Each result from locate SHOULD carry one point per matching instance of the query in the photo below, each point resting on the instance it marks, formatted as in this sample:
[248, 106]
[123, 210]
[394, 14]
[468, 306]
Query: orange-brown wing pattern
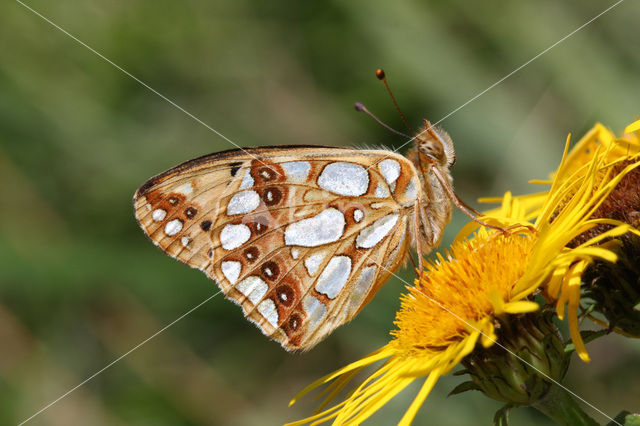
[294, 235]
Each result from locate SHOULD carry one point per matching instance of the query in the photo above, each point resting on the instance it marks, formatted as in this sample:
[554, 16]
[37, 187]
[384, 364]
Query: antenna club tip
[380, 74]
[359, 106]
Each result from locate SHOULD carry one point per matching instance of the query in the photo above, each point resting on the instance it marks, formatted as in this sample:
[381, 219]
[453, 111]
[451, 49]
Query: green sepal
[464, 387]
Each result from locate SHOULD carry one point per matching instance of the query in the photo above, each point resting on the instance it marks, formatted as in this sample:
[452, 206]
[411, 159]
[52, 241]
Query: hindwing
[300, 237]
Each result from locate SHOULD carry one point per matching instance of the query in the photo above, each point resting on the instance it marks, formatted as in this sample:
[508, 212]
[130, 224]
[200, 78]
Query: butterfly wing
[300, 237]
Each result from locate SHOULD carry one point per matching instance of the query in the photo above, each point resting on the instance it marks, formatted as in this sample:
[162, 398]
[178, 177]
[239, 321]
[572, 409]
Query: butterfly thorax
[432, 153]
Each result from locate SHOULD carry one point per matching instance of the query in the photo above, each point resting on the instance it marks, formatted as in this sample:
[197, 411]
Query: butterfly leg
[418, 237]
[472, 213]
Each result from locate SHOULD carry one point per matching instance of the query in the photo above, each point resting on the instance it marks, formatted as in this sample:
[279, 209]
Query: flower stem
[560, 406]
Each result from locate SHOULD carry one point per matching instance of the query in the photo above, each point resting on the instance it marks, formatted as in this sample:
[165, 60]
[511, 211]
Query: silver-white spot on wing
[374, 233]
[173, 227]
[185, 241]
[381, 191]
[247, 180]
[313, 262]
[185, 189]
[295, 253]
[233, 236]
[390, 169]
[231, 270]
[296, 171]
[158, 215]
[358, 215]
[315, 311]
[325, 227]
[344, 179]
[268, 310]
[243, 202]
[254, 288]
[334, 276]
[361, 289]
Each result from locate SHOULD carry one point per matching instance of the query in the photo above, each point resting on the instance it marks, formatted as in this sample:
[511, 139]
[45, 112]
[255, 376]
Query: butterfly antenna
[383, 78]
[360, 107]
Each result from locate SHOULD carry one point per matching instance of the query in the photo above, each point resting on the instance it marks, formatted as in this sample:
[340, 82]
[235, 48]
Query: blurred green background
[80, 284]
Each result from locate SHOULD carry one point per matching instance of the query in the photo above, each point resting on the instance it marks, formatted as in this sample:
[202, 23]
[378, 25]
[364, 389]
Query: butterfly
[301, 237]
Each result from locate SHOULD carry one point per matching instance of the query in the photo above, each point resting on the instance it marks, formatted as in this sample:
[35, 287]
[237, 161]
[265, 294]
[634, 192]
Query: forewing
[295, 235]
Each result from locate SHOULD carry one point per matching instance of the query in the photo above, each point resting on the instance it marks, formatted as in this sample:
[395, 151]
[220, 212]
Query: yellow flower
[613, 288]
[608, 162]
[481, 282]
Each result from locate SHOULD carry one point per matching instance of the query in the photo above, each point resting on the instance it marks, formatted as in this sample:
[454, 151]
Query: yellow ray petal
[633, 127]
[426, 388]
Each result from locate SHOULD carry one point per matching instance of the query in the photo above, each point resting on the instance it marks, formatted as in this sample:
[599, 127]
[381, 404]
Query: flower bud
[517, 370]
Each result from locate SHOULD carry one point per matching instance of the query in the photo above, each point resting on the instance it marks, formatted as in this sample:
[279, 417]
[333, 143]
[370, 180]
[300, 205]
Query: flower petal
[633, 127]
[521, 307]
[410, 414]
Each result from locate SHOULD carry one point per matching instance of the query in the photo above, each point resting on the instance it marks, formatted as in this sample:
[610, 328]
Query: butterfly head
[436, 145]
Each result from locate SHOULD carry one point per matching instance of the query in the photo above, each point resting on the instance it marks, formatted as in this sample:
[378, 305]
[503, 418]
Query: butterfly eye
[433, 148]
